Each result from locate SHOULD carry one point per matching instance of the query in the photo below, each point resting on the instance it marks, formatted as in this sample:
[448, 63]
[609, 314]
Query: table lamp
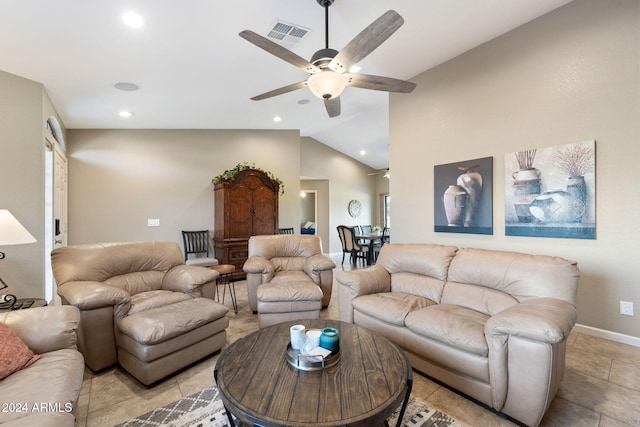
[11, 233]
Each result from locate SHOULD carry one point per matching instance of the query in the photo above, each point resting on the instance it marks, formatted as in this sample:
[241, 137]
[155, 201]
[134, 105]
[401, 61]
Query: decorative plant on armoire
[229, 174]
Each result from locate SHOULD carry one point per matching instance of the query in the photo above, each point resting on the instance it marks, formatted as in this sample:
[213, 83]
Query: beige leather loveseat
[140, 306]
[490, 324]
[45, 392]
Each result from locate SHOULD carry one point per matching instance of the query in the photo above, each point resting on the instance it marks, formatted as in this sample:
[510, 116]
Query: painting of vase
[550, 192]
[463, 197]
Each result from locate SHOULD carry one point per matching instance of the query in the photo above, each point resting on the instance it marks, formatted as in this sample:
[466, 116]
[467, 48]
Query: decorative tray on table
[310, 362]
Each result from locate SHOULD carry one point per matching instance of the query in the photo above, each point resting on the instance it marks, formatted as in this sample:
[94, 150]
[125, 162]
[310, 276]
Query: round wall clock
[355, 208]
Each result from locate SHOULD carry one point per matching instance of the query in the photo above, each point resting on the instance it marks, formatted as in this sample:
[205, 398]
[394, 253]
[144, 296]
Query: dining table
[370, 239]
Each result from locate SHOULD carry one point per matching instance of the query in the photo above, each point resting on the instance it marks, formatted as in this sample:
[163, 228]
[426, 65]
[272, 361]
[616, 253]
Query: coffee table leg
[406, 398]
[231, 423]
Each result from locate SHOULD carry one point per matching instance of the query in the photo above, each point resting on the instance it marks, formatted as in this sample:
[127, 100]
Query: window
[386, 210]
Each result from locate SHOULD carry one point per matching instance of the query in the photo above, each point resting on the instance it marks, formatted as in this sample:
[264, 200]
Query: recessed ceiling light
[125, 114]
[133, 20]
[304, 101]
[362, 152]
[277, 119]
[127, 87]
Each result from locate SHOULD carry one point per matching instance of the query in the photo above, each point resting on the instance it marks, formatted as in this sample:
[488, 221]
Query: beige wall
[569, 76]
[24, 109]
[347, 180]
[382, 188]
[118, 179]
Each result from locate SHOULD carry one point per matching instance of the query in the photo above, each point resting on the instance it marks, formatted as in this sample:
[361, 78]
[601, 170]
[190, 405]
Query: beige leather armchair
[284, 260]
[140, 306]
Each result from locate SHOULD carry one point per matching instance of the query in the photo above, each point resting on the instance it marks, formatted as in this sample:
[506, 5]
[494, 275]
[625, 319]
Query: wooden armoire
[245, 206]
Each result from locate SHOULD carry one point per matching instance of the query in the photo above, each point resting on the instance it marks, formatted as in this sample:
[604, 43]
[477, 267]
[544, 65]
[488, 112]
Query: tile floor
[601, 386]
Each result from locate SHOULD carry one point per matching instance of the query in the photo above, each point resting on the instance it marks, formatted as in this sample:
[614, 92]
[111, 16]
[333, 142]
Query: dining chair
[351, 246]
[196, 248]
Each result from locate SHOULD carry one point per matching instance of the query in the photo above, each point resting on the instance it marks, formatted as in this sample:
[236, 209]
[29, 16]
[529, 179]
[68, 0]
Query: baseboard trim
[611, 336]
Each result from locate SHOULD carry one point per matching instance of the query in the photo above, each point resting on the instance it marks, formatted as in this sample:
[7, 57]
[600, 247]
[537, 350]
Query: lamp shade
[327, 84]
[11, 231]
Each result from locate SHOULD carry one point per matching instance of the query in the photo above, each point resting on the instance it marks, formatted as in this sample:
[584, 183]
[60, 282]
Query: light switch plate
[154, 222]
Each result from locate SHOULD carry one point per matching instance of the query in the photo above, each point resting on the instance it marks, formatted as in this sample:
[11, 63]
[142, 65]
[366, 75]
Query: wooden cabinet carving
[245, 206]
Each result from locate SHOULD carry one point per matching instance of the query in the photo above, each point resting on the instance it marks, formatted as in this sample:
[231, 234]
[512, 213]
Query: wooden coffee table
[259, 386]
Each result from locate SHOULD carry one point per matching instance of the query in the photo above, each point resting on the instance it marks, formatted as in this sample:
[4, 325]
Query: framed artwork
[550, 192]
[463, 197]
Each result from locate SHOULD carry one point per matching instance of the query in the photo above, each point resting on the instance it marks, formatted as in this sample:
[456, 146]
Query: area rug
[205, 409]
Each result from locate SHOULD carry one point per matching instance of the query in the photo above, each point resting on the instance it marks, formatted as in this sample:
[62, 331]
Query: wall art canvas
[550, 192]
[463, 197]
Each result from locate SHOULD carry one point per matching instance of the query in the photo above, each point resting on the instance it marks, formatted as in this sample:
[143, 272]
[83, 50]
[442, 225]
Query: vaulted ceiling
[195, 72]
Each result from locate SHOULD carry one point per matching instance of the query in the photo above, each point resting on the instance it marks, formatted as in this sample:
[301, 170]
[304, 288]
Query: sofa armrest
[259, 270]
[355, 283]
[45, 329]
[88, 295]
[259, 265]
[317, 263]
[188, 279]
[527, 355]
[547, 320]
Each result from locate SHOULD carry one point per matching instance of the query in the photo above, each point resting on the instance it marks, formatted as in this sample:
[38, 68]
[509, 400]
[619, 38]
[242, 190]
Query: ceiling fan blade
[388, 84]
[279, 51]
[367, 41]
[333, 106]
[280, 91]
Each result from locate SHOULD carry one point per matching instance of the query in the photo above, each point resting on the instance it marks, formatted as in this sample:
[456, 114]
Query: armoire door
[239, 207]
[265, 211]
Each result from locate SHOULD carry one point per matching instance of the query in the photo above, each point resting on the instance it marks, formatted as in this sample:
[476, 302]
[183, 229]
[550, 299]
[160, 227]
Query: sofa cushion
[160, 324]
[153, 299]
[55, 379]
[426, 260]
[289, 276]
[417, 284]
[100, 261]
[14, 353]
[391, 307]
[521, 275]
[287, 263]
[278, 245]
[479, 298]
[454, 325]
[290, 291]
[137, 281]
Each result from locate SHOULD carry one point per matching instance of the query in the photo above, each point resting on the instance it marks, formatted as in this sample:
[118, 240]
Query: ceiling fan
[329, 69]
[386, 173]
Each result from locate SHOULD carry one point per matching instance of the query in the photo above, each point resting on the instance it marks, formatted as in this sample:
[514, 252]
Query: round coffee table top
[259, 386]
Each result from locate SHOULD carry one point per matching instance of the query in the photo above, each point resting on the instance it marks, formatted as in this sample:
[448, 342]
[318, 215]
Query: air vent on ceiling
[286, 34]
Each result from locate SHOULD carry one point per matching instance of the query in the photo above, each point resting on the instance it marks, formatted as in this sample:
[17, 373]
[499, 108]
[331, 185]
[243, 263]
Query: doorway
[309, 211]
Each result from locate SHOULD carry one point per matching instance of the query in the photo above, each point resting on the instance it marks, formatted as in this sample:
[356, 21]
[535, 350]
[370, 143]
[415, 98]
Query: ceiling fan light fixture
[327, 84]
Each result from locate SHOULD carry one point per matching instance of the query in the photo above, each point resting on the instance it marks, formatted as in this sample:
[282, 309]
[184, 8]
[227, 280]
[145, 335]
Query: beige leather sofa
[45, 393]
[490, 324]
[140, 306]
[284, 258]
